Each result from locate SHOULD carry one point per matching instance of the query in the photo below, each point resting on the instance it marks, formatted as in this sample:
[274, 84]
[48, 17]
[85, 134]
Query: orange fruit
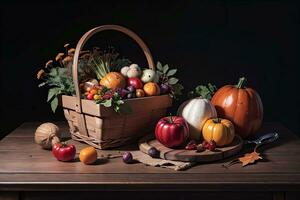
[88, 155]
[93, 91]
[151, 89]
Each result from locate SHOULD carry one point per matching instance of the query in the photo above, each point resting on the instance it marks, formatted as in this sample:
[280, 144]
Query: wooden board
[191, 155]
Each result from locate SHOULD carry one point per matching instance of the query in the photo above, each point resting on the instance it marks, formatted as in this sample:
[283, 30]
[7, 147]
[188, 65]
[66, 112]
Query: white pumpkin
[196, 111]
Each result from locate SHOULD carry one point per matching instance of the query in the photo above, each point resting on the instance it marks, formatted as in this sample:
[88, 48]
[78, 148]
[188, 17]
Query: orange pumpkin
[151, 89]
[113, 80]
[242, 106]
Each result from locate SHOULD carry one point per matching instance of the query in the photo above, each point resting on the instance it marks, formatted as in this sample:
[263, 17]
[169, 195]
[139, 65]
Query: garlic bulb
[46, 135]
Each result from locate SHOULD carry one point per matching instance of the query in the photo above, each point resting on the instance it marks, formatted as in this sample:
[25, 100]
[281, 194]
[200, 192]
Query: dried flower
[71, 51]
[66, 45]
[40, 73]
[50, 62]
[59, 56]
[67, 59]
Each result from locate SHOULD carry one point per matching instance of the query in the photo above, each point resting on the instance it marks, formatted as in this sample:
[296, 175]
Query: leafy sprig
[112, 98]
[166, 76]
[60, 82]
[206, 92]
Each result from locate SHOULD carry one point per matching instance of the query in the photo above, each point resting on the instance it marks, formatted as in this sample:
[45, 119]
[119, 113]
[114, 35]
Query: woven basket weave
[101, 127]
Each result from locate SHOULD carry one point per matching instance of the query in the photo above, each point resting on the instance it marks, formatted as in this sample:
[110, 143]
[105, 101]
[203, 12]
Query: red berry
[192, 145]
[212, 145]
[205, 144]
[90, 96]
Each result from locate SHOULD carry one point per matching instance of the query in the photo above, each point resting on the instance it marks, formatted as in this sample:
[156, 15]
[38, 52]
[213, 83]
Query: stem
[63, 144]
[171, 119]
[217, 120]
[241, 82]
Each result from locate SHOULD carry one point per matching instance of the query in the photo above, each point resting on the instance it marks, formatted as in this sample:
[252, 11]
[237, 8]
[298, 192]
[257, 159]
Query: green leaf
[107, 103]
[171, 72]
[53, 71]
[212, 88]
[177, 89]
[204, 91]
[119, 102]
[62, 71]
[165, 68]
[54, 104]
[117, 108]
[173, 81]
[159, 66]
[52, 93]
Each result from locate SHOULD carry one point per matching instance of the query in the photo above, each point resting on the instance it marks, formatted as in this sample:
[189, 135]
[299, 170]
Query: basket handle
[89, 34]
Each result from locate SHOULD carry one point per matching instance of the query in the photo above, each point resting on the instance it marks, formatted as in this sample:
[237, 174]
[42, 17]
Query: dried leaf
[250, 158]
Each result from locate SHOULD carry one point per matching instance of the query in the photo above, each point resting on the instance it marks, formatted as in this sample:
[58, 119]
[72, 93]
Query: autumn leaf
[249, 158]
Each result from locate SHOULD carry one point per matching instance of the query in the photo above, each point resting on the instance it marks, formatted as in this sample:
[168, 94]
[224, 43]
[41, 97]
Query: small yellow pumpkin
[113, 80]
[219, 130]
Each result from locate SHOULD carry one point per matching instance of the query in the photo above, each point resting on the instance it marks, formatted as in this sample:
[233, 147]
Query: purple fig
[153, 152]
[122, 92]
[164, 88]
[127, 157]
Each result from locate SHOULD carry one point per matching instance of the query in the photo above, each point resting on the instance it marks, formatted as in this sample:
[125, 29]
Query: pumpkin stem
[241, 82]
[171, 119]
[217, 120]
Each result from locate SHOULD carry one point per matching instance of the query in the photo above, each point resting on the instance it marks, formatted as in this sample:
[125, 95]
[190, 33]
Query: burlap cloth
[157, 162]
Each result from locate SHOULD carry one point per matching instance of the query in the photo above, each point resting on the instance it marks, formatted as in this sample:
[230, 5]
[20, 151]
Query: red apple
[135, 82]
[172, 131]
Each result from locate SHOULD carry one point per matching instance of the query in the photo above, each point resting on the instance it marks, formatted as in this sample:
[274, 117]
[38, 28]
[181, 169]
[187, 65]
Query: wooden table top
[25, 166]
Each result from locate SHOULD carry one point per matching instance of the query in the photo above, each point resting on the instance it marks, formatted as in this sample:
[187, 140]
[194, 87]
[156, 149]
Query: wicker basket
[101, 127]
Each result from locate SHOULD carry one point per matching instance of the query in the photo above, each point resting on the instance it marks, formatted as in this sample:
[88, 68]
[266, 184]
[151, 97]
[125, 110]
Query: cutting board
[191, 155]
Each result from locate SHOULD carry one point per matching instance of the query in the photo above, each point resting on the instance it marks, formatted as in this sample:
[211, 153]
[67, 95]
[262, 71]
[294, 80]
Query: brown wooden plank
[147, 195]
[25, 165]
[25, 156]
[137, 105]
[170, 181]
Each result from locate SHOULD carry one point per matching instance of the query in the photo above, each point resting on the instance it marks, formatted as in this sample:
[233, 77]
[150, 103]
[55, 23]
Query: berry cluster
[192, 145]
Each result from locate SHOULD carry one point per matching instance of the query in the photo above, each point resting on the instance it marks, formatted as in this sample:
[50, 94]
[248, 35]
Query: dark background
[214, 41]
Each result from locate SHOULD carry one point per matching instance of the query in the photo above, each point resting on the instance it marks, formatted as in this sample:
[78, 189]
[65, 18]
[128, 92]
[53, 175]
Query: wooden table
[28, 172]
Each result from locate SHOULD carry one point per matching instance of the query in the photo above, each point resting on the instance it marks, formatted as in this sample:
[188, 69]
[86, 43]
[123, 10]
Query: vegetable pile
[106, 79]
